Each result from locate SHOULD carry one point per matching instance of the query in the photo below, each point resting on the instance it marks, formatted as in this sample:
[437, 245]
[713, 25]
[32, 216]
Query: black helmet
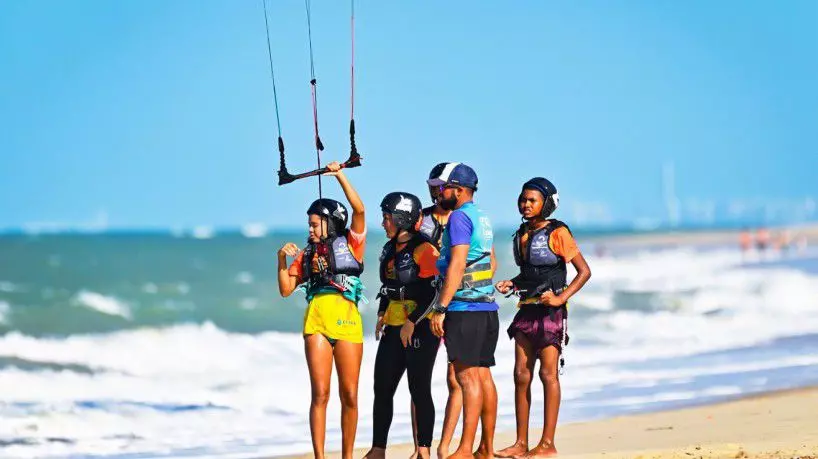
[333, 211]
[437, 170]
[405, 209]
[549, 193]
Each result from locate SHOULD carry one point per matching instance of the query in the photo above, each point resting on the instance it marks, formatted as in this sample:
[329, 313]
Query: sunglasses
[440, 188]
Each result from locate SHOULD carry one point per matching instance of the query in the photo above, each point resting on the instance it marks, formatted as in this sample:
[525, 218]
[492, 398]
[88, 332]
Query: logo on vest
[405, 260]
[539, 242]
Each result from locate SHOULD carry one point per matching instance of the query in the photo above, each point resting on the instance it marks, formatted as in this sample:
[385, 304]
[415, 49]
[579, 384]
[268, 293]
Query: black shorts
[471, 337]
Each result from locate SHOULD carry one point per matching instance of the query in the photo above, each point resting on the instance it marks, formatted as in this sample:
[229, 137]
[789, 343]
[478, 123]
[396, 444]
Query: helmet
[434, 174]
[333, 211]
[437, 170]
[405, 209]
[549, 193]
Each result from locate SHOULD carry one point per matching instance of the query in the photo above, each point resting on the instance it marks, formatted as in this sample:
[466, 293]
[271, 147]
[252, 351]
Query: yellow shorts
[335, 317]
[398, 311]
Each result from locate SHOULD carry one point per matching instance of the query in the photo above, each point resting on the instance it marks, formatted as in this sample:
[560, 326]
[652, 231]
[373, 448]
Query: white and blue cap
[455, 174]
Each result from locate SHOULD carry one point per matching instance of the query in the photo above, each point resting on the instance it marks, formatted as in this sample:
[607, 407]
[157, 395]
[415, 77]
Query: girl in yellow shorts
[330, 268]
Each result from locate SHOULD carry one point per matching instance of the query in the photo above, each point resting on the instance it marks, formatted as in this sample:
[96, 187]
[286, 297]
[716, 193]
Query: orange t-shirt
[425, 256]
[561, 242]
[356, 242]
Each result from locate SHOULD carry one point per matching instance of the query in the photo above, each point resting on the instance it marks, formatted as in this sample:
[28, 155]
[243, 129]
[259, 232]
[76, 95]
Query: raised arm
[358, 220]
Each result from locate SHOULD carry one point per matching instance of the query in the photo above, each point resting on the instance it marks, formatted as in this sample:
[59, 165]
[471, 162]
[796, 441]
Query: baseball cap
[455, 174]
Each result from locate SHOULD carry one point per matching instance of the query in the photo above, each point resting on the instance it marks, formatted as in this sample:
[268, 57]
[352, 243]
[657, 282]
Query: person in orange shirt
[745, 240]
[329, 268]
[542, 249]
[407, 270]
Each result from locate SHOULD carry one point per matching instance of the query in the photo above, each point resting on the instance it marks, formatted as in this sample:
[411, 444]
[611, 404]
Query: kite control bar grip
[285, 177]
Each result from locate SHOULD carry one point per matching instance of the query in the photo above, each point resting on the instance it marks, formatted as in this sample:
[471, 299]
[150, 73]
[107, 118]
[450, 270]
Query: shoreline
[765, 425]
[699, 237]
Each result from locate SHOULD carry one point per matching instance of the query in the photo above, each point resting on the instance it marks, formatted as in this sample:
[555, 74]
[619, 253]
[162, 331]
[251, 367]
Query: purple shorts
[541, 325]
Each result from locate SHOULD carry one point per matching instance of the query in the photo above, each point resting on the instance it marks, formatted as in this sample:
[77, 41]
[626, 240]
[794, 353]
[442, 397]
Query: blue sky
[159, 112]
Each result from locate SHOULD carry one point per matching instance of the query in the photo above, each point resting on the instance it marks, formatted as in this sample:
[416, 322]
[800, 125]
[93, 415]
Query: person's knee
[421, 395]
[381, 386]
[320, 396]
[549, 376]
[522, 376]
[467, 377]
[349, 397]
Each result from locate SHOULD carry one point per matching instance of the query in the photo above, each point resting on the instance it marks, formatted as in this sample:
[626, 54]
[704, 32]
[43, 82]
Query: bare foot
[479, 454]
[459, 455]
[375, 453]
[442, 451]
[517, 449]
[540, 451]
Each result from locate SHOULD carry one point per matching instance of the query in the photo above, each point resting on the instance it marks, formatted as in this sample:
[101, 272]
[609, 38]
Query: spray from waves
[104, 304]
[4, 311]
[199, 388]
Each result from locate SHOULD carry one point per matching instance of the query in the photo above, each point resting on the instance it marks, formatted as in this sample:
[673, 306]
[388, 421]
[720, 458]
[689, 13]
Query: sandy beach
[775, 425]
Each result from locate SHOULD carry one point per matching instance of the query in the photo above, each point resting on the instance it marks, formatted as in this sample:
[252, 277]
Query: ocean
[155, 345]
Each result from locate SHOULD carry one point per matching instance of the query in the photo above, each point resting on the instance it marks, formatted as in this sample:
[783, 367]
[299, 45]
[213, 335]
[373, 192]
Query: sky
[159, 113]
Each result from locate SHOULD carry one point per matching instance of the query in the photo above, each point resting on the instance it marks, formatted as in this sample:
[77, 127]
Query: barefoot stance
[517, 449]
[542, 450]
[375, 453]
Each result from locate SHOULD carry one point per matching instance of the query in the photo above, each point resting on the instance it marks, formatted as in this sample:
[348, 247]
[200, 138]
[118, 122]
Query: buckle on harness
[389, 292]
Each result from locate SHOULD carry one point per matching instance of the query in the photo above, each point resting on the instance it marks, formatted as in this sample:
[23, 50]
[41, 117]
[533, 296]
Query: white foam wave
[104, 304]
[254, 230]
[203, 232]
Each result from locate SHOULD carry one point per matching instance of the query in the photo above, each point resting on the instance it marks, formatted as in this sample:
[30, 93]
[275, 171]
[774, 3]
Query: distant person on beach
[407, 344]
[762, 240]
[784, 241]
[542, 249]
[330, 268]
[466, 313]
[745, 241]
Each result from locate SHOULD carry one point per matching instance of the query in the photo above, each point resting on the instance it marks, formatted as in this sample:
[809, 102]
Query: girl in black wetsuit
[406, 341]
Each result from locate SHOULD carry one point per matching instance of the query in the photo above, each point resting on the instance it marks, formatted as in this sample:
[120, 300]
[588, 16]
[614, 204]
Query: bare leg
[453, 406]
[488, 415]
[468, 378]
[348, 365]
[524, 360]
[319, 363]
[549, 374]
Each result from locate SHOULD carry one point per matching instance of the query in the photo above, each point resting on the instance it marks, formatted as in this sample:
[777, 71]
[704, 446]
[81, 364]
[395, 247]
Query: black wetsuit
[417, 359]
